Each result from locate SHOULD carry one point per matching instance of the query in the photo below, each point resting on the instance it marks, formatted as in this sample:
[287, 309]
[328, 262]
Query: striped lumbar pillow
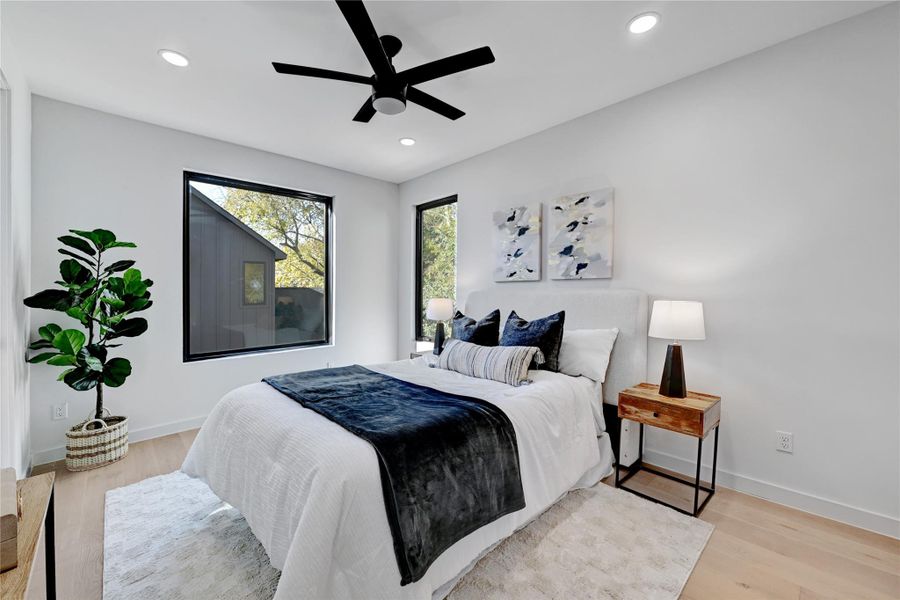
[506, 364]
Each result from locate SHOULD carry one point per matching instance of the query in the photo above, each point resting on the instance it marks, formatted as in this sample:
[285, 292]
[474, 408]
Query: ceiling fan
[390, 89]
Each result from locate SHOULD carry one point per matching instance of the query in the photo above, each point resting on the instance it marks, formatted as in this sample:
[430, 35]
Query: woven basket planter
[94, 443]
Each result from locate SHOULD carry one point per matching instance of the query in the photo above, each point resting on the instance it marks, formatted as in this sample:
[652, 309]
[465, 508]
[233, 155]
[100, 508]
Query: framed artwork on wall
[581, 236]
[517, 243]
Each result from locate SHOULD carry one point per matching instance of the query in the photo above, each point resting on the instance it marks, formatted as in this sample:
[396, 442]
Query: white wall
[767, 188]
[93, 169]
[15, 269]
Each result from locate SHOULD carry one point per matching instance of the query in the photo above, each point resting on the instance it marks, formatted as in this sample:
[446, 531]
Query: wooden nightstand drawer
[695, 415]
[666, 418]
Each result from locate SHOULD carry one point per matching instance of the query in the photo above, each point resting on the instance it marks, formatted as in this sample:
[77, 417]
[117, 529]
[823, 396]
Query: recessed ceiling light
[174, 58]
[643, 23]
[407, 141]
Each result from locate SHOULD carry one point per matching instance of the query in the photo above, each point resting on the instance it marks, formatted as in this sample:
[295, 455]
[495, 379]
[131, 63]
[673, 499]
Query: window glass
[254, 283]
[436, 259]
[256, 267]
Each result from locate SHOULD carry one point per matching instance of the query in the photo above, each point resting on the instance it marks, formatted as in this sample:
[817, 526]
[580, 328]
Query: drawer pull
[655, 415]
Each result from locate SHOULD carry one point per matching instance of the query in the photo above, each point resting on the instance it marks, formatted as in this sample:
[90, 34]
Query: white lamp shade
[677, 320]
[439, 309]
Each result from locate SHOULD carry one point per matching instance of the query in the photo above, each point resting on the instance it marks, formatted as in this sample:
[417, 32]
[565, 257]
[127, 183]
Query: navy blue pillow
[546, 334]
[485, 332]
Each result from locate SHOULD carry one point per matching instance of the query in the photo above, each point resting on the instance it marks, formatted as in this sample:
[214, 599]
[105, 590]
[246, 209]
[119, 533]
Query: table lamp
[676, 320]
[439, 309]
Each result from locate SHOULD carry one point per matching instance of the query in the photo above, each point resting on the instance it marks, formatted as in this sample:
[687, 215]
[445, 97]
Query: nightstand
[695, 415]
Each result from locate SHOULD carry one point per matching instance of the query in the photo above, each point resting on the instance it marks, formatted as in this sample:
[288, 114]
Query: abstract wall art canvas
[517, 243]
[581, 230]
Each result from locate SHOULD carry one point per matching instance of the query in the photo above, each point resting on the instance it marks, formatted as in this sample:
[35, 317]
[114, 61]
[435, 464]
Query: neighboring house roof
[279, 253]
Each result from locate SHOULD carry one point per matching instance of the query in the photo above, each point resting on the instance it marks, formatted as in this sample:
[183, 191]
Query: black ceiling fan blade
[448, 66]
[355, 13]
[365, 113]
[431, 103]
[321, 73]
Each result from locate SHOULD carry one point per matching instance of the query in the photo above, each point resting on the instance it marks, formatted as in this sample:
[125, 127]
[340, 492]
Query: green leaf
[107, 238]
[83, 287]
[116, 285]
[93, 363]
[131, 275]
[112, 320]
[122, 245]
[51, 300]
[85, 261]
[76, 313]
[81, 379]
[102, 238]
[133, 283]
[39, 345]
[116, 371]
[113, 302]
[137, 290]
[129, 328]
[63, 360]
[72, 271]
[96, 350]
[119, 265]
[69, 341]
[49, 331]
[77, 243]
[42, 357]
[88, 235]
[63, 374]
[140, 304]
[148, 282]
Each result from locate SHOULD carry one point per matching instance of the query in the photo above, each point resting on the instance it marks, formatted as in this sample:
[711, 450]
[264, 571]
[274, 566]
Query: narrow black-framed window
[435, 259]
[257, 267]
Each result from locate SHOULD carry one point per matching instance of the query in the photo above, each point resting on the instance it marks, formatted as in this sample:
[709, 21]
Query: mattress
[311, 491]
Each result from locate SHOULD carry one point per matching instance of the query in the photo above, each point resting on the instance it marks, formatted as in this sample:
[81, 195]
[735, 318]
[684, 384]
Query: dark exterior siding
[219, 318]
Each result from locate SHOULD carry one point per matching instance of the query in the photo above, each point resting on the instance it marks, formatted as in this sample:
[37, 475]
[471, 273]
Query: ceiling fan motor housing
[389, 98]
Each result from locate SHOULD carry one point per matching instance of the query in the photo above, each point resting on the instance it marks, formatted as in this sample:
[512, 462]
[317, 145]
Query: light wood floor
[758, 550]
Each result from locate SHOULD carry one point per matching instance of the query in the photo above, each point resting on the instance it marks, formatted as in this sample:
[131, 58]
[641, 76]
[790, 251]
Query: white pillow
[586, 352]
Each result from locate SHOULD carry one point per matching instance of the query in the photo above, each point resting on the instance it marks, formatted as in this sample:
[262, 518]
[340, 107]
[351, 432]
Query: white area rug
[170, 537]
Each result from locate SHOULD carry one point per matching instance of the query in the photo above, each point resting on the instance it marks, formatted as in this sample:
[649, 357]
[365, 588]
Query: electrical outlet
[784, 441]
[60, 411]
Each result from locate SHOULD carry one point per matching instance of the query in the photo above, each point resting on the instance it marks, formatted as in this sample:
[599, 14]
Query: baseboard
[136, 435]
[858, 517]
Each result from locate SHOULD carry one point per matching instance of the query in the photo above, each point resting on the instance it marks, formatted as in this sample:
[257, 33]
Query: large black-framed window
[435, 259]
[257, 267]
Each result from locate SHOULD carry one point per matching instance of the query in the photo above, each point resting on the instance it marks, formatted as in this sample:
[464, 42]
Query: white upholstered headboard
[585, 309]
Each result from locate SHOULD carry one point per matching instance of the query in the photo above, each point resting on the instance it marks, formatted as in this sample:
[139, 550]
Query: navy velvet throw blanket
[449, 464]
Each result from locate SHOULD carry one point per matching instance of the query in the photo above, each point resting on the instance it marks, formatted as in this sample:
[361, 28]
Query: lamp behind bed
[440, 310]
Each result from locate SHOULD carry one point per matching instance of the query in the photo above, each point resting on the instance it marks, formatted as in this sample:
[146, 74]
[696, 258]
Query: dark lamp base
[672, 383]
[438, 338]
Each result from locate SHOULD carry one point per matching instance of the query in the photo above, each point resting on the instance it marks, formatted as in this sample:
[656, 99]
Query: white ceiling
[555, 61]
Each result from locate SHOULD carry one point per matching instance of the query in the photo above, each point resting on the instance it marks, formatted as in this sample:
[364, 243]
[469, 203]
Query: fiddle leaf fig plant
[103, 298]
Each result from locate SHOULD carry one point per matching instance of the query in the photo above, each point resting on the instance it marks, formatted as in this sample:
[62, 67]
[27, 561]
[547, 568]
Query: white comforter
[311, 491]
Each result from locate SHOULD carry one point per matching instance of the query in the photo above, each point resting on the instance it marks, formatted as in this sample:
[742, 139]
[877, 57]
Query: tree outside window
[436, 256]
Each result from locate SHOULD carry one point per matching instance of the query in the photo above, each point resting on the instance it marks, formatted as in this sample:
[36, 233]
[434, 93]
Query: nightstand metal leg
[697, 480]
[637, 465]
[715, 456]
[641, 445]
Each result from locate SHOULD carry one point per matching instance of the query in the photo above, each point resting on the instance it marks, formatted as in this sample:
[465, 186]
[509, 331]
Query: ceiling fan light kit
[391, 90]
[389, 98]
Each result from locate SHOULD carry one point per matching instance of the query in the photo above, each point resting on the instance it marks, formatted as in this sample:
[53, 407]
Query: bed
[311, 491]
